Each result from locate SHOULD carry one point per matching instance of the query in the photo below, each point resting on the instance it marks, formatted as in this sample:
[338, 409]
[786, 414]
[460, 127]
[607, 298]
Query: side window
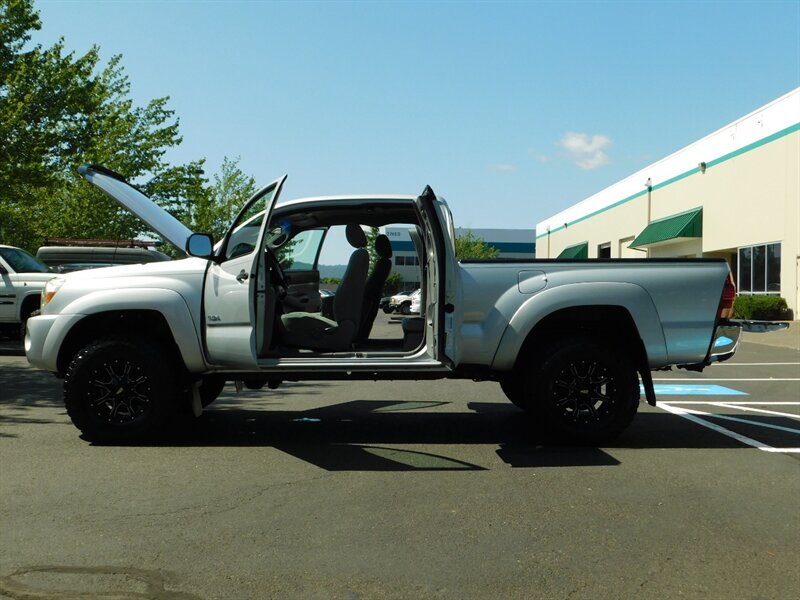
[301, 252]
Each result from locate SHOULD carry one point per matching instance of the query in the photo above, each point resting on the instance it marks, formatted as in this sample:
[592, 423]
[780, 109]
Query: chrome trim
[725, 342]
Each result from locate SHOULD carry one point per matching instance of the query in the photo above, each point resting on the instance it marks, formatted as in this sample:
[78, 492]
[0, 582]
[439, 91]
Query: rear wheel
[585, 390]
[119, 390]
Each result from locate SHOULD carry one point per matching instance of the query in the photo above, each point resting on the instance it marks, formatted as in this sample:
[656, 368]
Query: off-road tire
[586, 390]
[120, 390]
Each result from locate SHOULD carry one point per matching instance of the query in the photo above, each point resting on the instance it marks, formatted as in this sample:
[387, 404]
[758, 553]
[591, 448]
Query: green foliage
[330, 280]
[762, 308]
[372, 235]
[393, 283]
[59, 110]
[469, 247]
[218, 206]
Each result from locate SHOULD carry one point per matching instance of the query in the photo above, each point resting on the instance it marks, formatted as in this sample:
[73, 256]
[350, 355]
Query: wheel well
[29, 304]
[603, 322]
[131, 323]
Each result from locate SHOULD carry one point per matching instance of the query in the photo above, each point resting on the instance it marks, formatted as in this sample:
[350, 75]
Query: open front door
[442, 275]
[238, 302]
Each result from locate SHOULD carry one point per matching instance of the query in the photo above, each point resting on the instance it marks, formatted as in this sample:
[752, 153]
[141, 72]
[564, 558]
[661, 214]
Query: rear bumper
[725, 342]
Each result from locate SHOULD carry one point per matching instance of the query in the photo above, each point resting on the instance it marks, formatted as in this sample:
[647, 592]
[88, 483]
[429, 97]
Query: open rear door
[238, 302]
[442, 275]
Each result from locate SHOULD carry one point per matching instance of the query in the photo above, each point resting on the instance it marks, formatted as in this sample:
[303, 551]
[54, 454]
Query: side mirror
[200, 245]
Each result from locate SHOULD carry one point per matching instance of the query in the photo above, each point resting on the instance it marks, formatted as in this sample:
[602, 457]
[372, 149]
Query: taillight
[728, 298]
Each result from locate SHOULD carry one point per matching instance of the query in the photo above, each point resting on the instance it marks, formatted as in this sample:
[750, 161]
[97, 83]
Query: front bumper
[43, 338]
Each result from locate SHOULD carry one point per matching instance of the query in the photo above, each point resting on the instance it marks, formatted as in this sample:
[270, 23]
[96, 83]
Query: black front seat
[374, 287]
[315, 332]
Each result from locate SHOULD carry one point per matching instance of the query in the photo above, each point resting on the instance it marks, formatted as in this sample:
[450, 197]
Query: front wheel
[585, 390]
[119, 390]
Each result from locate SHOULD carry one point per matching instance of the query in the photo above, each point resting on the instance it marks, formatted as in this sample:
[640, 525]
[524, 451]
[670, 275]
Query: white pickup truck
[22, 278]
[568, 341]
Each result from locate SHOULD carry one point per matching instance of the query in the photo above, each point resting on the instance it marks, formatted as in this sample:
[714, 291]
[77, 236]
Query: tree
[469, 247]
[216, 209]
[59, 110]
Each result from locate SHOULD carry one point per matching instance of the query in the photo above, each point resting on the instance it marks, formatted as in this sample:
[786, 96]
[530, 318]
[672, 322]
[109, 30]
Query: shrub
[760, 308]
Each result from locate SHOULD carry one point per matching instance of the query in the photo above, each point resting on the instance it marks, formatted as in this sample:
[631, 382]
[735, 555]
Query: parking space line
[739, 420]
[727, 379]
[736, 402]
[681, 412]
[757, 410]
[735, 364]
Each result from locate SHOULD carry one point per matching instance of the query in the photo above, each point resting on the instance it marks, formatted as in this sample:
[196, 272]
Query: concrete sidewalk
[786, 338]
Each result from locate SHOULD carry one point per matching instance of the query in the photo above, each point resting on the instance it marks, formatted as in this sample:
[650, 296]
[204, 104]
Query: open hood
[127, 196]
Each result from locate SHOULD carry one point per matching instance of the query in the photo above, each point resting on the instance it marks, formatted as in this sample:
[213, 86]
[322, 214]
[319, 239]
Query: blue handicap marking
[691, 389]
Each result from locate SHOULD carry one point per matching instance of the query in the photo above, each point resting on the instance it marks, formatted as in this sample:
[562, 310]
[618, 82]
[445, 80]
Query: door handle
[242, 276]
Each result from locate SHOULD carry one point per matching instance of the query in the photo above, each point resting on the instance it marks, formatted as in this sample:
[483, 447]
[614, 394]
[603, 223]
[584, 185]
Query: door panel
[237, 300]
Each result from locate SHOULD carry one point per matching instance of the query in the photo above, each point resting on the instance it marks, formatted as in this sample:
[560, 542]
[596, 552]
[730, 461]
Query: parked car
[401, 302]
[22, 278]
[87, 254]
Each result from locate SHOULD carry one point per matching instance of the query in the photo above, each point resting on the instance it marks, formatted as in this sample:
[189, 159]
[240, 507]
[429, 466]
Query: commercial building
[734, 194]
[511, 243]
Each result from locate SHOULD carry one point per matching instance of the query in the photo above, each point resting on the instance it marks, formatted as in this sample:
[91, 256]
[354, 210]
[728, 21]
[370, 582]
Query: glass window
[22, 262]
[300, 253]
[760, 269]
[773, 268]
[745, 266]
[400, 260]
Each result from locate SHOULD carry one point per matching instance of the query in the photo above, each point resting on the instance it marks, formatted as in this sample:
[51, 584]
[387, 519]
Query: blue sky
[512, 111]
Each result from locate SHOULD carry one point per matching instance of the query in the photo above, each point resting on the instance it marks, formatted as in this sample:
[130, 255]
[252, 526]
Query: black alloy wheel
[587, 390]
[118, 390]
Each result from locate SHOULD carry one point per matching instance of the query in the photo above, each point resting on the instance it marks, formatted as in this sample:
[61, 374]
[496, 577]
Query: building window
[759, 270]
[604, 250]
[400, 260]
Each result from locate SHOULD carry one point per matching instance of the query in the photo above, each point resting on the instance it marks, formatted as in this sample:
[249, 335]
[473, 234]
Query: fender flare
[628, 296]
[169, 303]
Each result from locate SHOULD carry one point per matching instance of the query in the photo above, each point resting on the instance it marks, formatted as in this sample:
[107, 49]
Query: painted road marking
[757, 410]
[735, 364]
[740, 420]
[694, 417]
[693, 390]
[727, 379]
[732, 402]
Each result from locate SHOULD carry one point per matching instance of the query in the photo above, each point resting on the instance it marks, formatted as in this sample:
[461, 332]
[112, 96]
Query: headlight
[50, 289]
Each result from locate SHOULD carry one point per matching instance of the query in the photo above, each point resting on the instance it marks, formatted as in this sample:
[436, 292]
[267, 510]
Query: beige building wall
[749, 196]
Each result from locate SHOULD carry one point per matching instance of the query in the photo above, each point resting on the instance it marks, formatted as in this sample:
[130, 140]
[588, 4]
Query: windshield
[22, 262]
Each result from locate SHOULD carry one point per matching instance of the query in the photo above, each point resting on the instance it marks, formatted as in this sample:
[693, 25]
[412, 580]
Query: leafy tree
[393, 283]
[216, 209]
[59, 110]
[469, 247]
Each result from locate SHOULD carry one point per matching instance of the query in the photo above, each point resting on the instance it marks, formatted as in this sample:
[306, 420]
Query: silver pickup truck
[568, 341]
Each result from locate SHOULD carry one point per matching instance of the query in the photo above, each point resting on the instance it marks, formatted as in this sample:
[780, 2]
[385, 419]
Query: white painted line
[700, 380]
[730, 364]
[726, 432]
[745, 421]
[743, 402]
[757, 410]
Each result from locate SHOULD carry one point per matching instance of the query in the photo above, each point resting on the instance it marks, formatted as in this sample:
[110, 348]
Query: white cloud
[586, 150]
[502, 168]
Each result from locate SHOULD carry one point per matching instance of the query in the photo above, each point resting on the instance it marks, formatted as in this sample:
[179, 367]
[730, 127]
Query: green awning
[681, 226]
[577, 251]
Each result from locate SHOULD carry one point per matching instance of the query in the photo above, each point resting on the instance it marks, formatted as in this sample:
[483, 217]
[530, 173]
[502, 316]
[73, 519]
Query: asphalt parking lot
[364, 490]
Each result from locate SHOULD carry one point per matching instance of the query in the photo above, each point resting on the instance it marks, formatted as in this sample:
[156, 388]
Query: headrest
[355, 236]
[383, 246]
